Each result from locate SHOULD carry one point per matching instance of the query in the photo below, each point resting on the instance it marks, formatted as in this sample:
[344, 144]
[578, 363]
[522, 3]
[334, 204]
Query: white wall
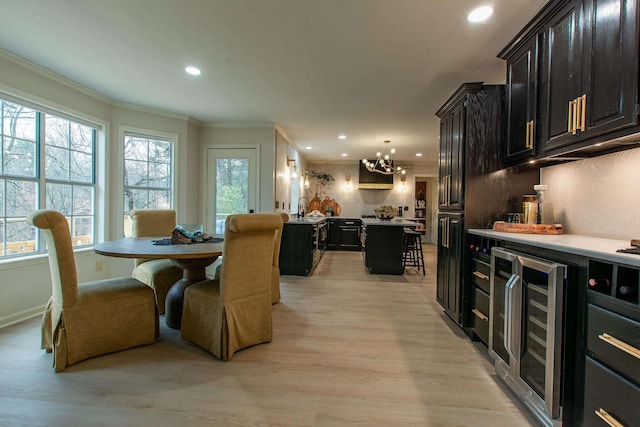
[597, 197]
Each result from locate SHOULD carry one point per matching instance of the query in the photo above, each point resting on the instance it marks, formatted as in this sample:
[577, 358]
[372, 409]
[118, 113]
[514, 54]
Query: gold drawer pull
[571, 116]
[583, 111]
[479, 314]
[530, 135]
[620, 345]
[480, 275]
[604, 416]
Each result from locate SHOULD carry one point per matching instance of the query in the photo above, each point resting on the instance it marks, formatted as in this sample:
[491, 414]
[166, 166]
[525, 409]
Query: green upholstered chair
[159, 274]
[233, 312]
[94, 318]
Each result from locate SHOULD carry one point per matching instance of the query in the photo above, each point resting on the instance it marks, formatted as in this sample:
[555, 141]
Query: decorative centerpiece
[385, 212]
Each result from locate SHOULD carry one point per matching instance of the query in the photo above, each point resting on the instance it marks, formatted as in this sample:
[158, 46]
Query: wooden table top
[144, 248]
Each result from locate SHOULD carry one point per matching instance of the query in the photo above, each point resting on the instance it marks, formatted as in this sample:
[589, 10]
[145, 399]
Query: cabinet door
[333, 237]
[456, 180]
[522, 75]
[444, 161]
[610, 70]
[561, 76]
[455, 268]
[449, 284]
[442, 264]
[349, 235]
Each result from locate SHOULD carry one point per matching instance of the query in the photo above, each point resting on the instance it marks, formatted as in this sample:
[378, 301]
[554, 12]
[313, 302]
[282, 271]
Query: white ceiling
[371, 69]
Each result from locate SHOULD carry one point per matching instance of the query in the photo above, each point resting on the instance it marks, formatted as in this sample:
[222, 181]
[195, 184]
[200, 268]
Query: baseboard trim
[20, 316]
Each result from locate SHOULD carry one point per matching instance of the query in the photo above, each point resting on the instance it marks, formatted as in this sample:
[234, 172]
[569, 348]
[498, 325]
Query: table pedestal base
[193, 271]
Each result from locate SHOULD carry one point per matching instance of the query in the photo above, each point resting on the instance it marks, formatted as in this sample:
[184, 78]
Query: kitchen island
[304, 241]
[383, 244]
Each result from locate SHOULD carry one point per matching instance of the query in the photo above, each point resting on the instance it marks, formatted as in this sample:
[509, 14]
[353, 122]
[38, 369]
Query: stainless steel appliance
[525, 335]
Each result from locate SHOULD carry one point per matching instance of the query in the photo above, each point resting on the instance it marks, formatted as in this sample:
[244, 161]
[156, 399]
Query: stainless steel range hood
[373, 181]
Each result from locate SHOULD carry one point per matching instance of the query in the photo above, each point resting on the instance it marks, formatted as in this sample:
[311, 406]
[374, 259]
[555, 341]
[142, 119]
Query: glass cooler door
[541, 333]
[502, 273]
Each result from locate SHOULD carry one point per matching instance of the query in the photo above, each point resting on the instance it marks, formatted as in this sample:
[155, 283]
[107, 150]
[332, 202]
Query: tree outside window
[66, 181]
[148, 174]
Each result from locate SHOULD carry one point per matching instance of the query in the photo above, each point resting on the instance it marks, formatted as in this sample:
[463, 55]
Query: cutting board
[528, 228]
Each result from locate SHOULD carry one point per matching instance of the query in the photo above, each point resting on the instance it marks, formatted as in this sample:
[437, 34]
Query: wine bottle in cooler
[599, 284]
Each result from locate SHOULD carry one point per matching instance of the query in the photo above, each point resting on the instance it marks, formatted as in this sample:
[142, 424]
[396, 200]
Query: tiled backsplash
[597, 197]
[356, 202]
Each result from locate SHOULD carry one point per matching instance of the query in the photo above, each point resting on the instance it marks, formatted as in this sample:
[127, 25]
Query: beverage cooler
[525, 335]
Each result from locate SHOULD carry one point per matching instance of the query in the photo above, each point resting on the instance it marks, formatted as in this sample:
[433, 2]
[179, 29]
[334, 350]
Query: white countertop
[398, 222]
[593, 247]
[307, 220]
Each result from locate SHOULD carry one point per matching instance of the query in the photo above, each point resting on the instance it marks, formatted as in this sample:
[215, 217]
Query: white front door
[232, 185]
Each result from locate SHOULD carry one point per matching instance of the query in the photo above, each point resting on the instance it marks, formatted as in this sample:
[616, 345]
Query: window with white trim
[47, 161]
[148, 174]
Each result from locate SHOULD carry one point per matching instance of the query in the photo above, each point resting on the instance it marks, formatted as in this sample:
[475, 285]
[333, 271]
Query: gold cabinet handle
[479, 314]
[571, 117]
[621, 345]
[583, 111]
[530, 136]
[480, 275]
[607, 418]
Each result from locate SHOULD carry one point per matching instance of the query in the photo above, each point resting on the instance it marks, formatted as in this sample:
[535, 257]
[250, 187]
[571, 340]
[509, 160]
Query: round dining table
[192, 258]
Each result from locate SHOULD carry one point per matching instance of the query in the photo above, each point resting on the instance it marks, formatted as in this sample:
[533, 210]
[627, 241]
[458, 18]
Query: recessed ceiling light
[344, 154]
[342, 136]
[194, 71]
[418, 154]
[308, 147]
[480, 14]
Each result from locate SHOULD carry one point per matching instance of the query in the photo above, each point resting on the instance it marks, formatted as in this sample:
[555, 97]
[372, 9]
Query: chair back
[62, 263]
[249, 243]
[152, 223]
[276, 249]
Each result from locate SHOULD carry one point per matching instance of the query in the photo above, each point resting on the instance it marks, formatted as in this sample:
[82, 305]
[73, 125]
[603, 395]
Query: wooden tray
[528, 228]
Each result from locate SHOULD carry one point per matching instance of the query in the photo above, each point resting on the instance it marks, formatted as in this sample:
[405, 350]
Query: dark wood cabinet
[448, 294]
[612, 373]
[472, 124]
[522, 82]
[609, 398]
[561, 76]
[452, 140]
[383, 249]
[585, 90]
[302, 247]
[344, 234]
[479, 276]
[610, 65]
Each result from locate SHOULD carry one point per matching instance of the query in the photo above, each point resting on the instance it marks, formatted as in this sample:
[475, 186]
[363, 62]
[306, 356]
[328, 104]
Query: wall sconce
[403, 182]
[294, 173]
[347, 182]
[306, 180]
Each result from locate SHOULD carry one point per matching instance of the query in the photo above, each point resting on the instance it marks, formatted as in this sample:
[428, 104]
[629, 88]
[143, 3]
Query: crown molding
[150, 110]
[270, 125]
[4, 54]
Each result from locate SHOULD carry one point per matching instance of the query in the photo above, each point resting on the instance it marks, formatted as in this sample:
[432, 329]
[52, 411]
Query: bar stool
[412, 255]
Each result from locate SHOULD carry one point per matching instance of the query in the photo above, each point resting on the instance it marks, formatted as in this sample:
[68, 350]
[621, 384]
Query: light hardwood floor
[348, 349]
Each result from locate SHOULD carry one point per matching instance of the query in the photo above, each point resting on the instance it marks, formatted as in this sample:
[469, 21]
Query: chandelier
[384, 164]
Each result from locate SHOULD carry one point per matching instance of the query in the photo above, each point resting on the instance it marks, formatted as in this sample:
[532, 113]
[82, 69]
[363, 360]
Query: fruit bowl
[385, 212]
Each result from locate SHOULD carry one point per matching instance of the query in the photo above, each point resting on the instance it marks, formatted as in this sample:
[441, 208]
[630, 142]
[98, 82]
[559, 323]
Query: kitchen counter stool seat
[413, 255]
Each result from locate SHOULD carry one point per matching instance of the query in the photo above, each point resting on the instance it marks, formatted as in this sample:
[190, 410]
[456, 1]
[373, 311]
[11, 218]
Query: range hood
[373, 181]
